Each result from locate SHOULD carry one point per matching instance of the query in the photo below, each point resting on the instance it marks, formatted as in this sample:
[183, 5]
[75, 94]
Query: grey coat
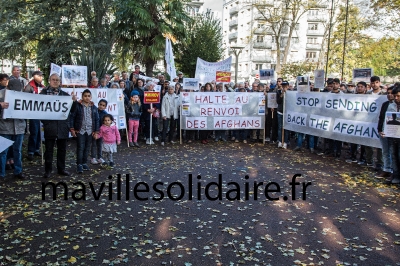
[10, 126]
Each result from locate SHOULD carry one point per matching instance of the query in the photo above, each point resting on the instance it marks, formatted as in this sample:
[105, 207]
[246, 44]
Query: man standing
[34, 86]
[94, 83]
[16, 74]
[137, 71]
[180, 77]
[394, 143]
[12, 129]
[56, 131]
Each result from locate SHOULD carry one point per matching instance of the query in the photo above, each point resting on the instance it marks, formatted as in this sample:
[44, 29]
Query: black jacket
[384, 108]
[57, 129]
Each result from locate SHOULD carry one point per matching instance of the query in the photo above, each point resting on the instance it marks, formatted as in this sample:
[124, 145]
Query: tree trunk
[149, 64]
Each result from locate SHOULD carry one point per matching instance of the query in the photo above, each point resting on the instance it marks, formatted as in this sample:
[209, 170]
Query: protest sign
[151, 97]
[302, 84]
[207, 71]
[55, 69]
[74, 75]
[319, 79]
[392, 125]
[191, 84]
[222, 110]
[271, 102]
[267, 74]
[24, 105]
[223, 76]
[114, 97]
[362, 74]
[346, 117]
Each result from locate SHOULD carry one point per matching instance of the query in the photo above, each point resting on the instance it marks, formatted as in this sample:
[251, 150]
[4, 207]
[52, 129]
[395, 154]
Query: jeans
[272, 125]
[17, 150]
[172, 123]
[300, 137]
[34, 137]
[96, 148]
[83, 144]
[61, 154]
[240, 134]
[133, 129]
[280, 128]
[394, 144]
[386, 156]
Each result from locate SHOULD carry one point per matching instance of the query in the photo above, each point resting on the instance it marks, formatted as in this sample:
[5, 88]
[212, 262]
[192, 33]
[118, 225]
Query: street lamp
[236, 50]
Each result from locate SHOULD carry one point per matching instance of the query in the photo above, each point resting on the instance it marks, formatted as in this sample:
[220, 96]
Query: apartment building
[249, 27]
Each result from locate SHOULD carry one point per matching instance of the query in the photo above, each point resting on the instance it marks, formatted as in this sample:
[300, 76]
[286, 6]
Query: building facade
[247, 24]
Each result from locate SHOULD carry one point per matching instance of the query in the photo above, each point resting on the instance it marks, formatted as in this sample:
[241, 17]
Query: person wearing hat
[180, 77]
[133, 113]
[351, 88]
[34, 86]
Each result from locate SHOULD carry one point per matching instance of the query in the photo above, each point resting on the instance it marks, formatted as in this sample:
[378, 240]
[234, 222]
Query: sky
[215, 5]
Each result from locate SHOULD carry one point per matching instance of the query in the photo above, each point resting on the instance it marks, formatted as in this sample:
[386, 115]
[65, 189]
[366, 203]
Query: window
[295, 40]
[313, 12]
[310, 55]
[313, 26]
[297, 27]
[258, 66]
[312, 40]
[260, 39]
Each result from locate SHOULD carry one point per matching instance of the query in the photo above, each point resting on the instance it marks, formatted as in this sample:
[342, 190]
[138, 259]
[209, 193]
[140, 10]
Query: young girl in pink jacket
[111, 138]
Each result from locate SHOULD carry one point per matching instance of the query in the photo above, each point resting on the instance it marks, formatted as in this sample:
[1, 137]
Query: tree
[204, 40]
[283, 17]
[387, 21]
[292, 70]
[142, 24]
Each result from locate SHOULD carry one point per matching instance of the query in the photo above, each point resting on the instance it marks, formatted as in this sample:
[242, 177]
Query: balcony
[232, 36]
[315, 32]
[273, 46]
[313, 46]
[267, 31]
[262, 58]
[233, 23]
[316, 18]
[233, 10]
[262, 45]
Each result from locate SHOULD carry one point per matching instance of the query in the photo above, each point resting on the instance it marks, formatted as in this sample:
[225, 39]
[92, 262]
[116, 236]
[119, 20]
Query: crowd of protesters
[95, 134]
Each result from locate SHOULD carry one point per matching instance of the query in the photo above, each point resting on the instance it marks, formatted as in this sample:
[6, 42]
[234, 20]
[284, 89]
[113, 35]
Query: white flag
[169, 59]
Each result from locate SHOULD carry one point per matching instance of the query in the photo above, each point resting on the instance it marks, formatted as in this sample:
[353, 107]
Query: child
[111, 138]
[134, 111]
[85, 124]
[97, 143]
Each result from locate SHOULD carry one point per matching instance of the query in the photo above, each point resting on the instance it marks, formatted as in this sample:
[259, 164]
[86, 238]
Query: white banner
[351, 118]
[114, 98]
[222, 110]
[169, 59]
[207, 71]
[24, 105]
[74, 75]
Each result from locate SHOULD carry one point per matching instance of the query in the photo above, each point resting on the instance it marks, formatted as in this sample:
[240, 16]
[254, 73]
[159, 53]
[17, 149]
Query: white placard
[74, 75]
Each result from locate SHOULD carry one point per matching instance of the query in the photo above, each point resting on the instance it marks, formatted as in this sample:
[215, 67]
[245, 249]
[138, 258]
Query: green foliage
[141, 25]
[292, 70]
[101, 63]
[204, 40]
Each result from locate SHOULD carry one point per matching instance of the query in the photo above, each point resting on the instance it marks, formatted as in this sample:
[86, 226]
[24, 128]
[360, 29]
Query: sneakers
[224, 140]
[236, 141]
[297, 148]
[279, 144]
[284, 145]
[204, 142]
[162, 143]
[136, 144]
[233, 138]
[172, 142]
[94, 161]
[131, 144]
[370, 165]
[312, 150]
[384, 175]
[79, 169]
[156, 139]
[267, 139]
[100, 161]
[149, 141]
[244, 141]
[361, 163]
[85, 167]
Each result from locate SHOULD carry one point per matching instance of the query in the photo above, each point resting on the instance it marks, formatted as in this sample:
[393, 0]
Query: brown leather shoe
[384, 174]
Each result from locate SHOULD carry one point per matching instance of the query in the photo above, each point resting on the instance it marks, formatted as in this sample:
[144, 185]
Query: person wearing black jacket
[280, 98]
[387, 160]
[56, 131]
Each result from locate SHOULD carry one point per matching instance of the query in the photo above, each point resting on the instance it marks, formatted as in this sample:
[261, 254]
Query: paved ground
[348, 217]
